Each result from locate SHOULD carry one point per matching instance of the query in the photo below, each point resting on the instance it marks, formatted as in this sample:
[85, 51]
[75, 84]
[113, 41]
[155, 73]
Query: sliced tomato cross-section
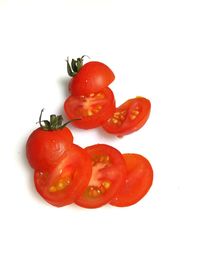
[108, 173]
[128, 117]
[93, 110]
[64, 183]
[137, 183]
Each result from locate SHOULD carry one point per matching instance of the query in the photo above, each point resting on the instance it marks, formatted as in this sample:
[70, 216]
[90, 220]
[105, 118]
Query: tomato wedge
[137, 183]
[64, 183]
[129, 117]
[108, 173]
[93, 110]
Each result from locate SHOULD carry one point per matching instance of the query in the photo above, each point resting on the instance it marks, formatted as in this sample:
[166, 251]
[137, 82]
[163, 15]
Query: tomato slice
[93, 110]
[137, 183]
[64, 183]
[108, 173]
[129, 117]
[91, 78]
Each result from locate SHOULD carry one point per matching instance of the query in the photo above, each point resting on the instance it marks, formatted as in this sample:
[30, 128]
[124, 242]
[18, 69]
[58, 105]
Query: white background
[153, 47]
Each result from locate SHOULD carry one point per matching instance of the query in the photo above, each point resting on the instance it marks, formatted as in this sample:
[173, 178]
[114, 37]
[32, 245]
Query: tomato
[129, 117]
[137, 183]
[65, 182]
[47, 144]
[108, 173]
[93, 110]
[91, 77]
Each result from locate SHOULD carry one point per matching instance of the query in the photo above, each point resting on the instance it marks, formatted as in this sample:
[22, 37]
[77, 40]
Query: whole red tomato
[47, 144]
[88, 78]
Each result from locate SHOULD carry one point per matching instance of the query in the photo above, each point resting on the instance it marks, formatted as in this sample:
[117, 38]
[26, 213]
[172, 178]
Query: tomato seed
[52, 189]
[106, 184]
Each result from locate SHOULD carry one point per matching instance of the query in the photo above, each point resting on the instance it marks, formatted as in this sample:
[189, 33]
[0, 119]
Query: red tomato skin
[93, 77]
[129, 126]
[76, 158]
[138, 182]
[117, 173]
[45, 148]
[72, 102]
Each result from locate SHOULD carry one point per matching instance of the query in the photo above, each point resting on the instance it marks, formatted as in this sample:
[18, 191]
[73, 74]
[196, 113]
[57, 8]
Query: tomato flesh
[128, 117]
[64, 183]
[108, 173]
[44, 149]
[93, 110]
[137, 183]
[93, 77]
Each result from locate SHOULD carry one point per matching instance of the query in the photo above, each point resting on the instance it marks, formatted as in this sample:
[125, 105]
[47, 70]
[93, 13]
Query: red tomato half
[129, 117]
[108, 173]
[67, 181]
[44, 148]
[137, 183]
[93, 110]
[92, 77]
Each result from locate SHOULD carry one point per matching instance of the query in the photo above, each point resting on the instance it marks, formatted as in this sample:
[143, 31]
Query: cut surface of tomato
[128, 117]
[64, 183]
[91, 78]
[93, 110]
[137, 183]
[108, 173]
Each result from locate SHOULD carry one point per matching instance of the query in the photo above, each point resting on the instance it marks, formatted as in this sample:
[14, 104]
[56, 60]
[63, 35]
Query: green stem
[55, 122]
[74, 67]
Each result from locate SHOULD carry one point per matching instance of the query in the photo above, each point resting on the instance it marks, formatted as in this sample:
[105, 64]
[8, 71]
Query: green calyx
[55, 122]
[75, 65]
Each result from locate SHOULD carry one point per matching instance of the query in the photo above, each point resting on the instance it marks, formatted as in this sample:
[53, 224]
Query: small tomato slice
[129, 117]
[64, 183]
[91, 78]
[108, 173]
[137, 183]
[93, 110]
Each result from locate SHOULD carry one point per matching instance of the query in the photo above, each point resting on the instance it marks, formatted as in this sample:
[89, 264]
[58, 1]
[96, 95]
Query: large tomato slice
[137, 183]
[108, 173]
[64, 183]
[128, 117]
[93, 110]
[91, 78]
